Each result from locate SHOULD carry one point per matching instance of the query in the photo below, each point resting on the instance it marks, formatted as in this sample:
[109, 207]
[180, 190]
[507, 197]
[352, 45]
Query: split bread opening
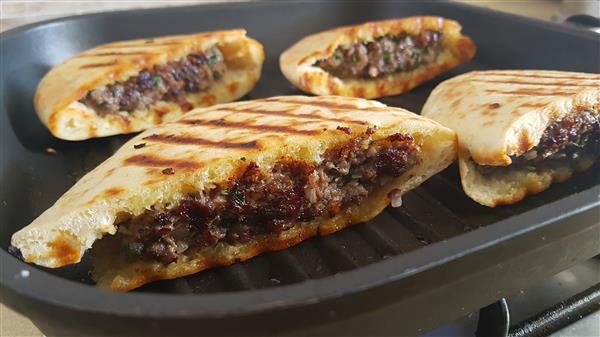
[375, 59]
[519, 130]
[129, 86]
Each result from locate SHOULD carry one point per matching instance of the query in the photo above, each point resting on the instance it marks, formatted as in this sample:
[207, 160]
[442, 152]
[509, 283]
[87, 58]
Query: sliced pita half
[226, 183]
[376, 59]
[128, 86]
[519, 130]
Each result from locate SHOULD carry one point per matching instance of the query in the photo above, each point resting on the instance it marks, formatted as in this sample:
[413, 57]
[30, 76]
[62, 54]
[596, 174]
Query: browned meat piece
[165, 82]
[567, 139]
[270, 202]
[386, 55]
[568, 136]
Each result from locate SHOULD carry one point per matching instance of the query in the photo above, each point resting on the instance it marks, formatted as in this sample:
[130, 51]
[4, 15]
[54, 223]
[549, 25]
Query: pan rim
[74, 295]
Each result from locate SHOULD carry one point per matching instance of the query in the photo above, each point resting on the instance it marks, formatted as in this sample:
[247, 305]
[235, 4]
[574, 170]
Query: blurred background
[18, 13]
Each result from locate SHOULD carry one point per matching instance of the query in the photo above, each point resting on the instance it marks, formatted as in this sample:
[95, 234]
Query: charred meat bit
[393, 161]
[200, 213]
[269, 202]
[164, 82]
[168, 170]
[259, 202]
[15, 252]
[386, 55]
[163, 225]
[568, 136]
[344, 129]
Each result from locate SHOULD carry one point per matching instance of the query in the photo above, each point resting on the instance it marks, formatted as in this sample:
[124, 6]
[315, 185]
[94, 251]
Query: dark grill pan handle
[493, 320]
[561, 315]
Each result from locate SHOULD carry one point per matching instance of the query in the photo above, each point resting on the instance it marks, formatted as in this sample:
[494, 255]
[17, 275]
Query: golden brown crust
[498, 114]
[204, 149]
[297, 62]
[502, 113]
[113, 272]
[122, 277]
[513, 185]
[56, 99]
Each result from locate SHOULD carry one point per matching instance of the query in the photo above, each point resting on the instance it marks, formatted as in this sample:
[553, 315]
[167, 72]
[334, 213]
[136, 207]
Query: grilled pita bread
[57, 100]
[208, 147]
[298, 63]
[501, 115]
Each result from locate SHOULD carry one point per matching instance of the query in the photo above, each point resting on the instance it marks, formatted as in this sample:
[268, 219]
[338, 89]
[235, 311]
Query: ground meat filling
[164, 82]
[259, 203]
[386, 55]
[567, 140]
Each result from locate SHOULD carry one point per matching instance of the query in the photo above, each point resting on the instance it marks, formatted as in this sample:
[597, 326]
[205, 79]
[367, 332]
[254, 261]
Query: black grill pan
[409, 270]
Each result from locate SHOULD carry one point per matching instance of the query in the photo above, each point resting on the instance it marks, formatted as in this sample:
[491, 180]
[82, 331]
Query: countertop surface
[17, 13]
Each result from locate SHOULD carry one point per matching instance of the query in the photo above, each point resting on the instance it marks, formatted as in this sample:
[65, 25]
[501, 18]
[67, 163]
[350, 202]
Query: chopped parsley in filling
[168, 82]
[258, 203]
[386, 55]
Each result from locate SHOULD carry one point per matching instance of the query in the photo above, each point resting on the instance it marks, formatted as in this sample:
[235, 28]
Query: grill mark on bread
[116, 53]
[143, 44]
[549, 76]
[489, 112]
[152, 161]
[307, 116]
[221, 123]
[534, 83]
[107, 194]
[532, 105]
[525, 92]
[257, 202]
[111, 192]
[98, 65]
[109, 172]
[322, 104]
[188, 140]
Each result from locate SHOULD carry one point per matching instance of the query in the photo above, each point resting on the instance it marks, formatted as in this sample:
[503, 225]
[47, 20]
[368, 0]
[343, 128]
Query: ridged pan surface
[32, 180]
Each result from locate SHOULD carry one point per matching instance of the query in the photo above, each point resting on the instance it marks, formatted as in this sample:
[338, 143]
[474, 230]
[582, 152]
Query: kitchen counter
[17, 13]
